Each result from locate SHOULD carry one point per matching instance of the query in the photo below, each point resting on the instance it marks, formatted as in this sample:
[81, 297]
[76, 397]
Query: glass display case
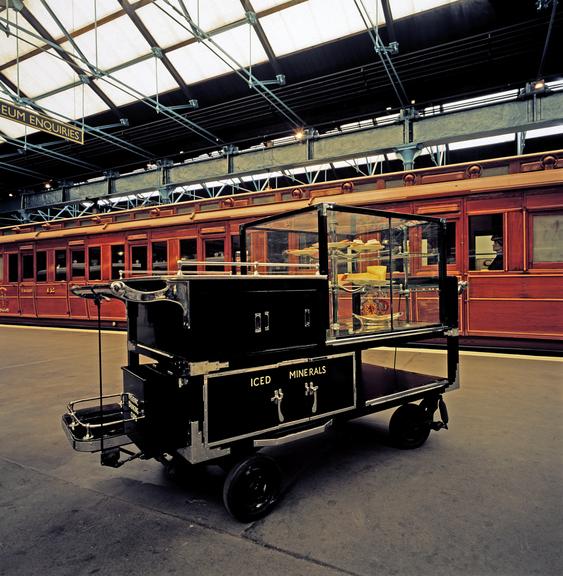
[384, 269]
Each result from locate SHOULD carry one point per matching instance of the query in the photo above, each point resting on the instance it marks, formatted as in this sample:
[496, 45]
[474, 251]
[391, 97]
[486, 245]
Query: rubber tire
[252, 488]
[409, 427]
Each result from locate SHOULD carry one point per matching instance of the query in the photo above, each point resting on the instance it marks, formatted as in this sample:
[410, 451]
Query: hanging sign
[40, 122]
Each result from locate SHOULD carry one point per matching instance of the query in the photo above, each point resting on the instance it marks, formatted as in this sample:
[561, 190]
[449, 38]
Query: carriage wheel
[252, 488]
[409, 426]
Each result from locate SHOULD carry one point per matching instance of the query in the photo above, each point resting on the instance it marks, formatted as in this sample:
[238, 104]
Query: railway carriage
[505, 241]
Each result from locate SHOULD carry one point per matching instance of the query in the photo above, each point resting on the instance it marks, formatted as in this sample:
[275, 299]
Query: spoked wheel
[252, 488]
[409, 426]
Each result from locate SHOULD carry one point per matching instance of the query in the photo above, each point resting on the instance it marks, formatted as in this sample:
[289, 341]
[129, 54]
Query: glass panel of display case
[291, 242]
[377, 264]
[214, 251]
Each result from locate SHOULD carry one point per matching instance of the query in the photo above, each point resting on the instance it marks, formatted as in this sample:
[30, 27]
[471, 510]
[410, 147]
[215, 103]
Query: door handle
[277, 398]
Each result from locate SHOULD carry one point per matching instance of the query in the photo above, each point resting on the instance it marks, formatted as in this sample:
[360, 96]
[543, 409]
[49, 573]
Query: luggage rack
[94, 424]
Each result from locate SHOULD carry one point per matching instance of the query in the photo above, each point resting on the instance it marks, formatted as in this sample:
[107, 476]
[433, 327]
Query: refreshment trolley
[226, 358]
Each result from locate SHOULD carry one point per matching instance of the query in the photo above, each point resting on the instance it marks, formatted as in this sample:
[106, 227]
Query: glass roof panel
[261, 5]
[402, 8]
[164, 29]
[241, 44]
[209, 14]
[75, 102]
[9, 46]
[140, 77]
[196, 62]
[74, 14]
[14, 129]
[313, 23]
[119, 41]
[42, 73]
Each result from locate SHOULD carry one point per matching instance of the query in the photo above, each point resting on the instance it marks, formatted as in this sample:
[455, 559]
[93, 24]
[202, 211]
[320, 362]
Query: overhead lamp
[48, 185]
[534, 88]
[299, 134]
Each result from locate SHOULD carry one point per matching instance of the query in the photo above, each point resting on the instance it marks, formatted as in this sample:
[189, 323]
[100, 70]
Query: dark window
[138, 259]
[41, 262]
[235, 252]
[486, 242]
[27, 266]
[117, 260]
[77, 257]
[188, 251]
[94, 263]
[214, 252]
[159, 256]
[60, 265]
[13, 271]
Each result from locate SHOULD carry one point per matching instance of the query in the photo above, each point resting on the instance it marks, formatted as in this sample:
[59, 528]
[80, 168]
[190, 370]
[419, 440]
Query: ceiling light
[299, 134]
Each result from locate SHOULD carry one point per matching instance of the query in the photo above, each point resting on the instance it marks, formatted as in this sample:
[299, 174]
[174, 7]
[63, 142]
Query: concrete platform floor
[483, 498]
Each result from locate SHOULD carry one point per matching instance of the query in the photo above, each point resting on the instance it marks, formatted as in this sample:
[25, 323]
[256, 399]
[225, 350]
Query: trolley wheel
[409, 426]
[252, 488]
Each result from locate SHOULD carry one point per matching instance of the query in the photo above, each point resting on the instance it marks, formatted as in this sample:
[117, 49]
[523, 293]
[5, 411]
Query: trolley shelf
[92, 427]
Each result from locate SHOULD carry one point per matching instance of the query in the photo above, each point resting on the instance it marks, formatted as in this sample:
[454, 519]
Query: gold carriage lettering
[305, 372]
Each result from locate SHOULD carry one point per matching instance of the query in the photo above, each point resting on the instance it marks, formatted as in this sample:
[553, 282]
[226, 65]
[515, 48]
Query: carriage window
[94, 263]
[77, 258]
[27, 266]
[60, 265]
[138, 259]
[188, 251]
[41, 262]
[117, 260]
[547, 237]
[214, 252]
[430, 245]
[159, 256]
[13, 271]
[486, 242]
[235, 253]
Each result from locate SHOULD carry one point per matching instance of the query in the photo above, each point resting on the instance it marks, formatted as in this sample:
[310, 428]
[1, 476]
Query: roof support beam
[130, 11]
[274, 63]
[389, 22]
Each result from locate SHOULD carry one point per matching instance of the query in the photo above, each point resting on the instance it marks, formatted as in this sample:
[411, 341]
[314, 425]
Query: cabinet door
[278, 319]
[245, 403]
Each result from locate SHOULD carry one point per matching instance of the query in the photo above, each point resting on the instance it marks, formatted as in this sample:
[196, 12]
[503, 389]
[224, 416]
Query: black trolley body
[273, 348]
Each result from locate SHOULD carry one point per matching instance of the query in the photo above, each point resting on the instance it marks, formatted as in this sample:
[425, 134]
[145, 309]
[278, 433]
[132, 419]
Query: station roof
[153, 79]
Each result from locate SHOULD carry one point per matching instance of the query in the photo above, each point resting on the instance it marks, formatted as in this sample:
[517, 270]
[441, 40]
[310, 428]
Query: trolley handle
[123, 291]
